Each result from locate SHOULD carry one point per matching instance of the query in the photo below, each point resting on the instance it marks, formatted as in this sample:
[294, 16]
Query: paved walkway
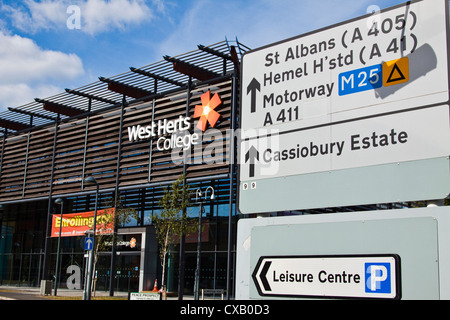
[33, 293]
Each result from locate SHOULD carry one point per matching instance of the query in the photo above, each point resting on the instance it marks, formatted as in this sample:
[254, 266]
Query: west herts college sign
[352, 114]
[371, 276]
[173, 134]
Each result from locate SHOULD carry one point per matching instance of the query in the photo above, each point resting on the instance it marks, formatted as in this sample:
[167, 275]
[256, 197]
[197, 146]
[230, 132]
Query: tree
[172, 222]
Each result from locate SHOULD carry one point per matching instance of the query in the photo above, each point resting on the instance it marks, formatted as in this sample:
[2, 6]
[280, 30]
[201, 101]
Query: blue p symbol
[378, 277]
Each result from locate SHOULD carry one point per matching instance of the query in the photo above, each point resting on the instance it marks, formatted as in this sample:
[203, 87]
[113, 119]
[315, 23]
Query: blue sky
[49, 45]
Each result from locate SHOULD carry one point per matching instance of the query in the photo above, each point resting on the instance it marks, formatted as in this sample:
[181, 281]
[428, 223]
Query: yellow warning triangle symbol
[396, 75]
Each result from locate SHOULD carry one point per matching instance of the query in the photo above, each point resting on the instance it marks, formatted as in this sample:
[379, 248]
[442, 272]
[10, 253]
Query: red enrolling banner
[76, 224]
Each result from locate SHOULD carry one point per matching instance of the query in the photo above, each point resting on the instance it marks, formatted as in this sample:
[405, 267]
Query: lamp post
[198, 194]
[88, 287]
[1, 222]
[60, 202]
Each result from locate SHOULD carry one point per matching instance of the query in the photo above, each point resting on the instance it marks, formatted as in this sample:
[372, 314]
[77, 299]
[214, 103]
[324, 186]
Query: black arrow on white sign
[263, 276]
[260, 278]
[252, 155]
[252, 87]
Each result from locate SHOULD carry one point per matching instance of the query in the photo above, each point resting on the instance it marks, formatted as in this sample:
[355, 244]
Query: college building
[135, 134]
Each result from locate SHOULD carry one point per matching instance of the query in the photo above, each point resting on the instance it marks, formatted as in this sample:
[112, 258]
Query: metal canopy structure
[170, 74]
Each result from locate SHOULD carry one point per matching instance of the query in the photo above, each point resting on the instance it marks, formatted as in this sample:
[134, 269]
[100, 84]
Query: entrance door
[127, 272]
[136, 261]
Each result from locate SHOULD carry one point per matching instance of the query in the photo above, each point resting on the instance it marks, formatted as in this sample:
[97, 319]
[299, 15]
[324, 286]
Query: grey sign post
[88, 247]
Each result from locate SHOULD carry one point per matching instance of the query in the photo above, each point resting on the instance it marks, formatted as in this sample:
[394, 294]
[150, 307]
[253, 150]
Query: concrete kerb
[33, 291]
[61, 292]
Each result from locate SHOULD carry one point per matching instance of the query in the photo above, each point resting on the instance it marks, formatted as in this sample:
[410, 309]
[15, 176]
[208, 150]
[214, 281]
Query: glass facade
[22, 242]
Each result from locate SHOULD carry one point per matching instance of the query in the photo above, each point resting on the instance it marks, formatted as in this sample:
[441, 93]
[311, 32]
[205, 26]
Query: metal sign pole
[88, 246]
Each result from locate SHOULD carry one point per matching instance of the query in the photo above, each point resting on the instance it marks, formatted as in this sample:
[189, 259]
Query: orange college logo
[206, 111]
[132, 243]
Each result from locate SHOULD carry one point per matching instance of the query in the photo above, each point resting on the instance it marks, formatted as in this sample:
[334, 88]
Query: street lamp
[87, 288]
[212, 193]
[60, 202]
[198, 194]
[1, 222]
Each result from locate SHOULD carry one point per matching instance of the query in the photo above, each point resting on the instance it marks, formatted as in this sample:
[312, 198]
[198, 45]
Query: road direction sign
[352, 114]
[88, 243]
[329, 276]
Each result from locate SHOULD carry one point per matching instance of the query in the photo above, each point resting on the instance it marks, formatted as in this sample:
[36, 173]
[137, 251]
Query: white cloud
[21, 59]
[34, 16]
[28, 71]
[96, 16]
[100, 16]
[18, 94]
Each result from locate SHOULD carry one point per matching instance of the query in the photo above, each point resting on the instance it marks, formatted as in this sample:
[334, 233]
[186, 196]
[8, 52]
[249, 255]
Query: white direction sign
[329, 276]
[368, 92]
[374, 141]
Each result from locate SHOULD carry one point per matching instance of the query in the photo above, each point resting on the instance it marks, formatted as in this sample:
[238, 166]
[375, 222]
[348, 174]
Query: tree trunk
[165, 250]
[163, 270]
